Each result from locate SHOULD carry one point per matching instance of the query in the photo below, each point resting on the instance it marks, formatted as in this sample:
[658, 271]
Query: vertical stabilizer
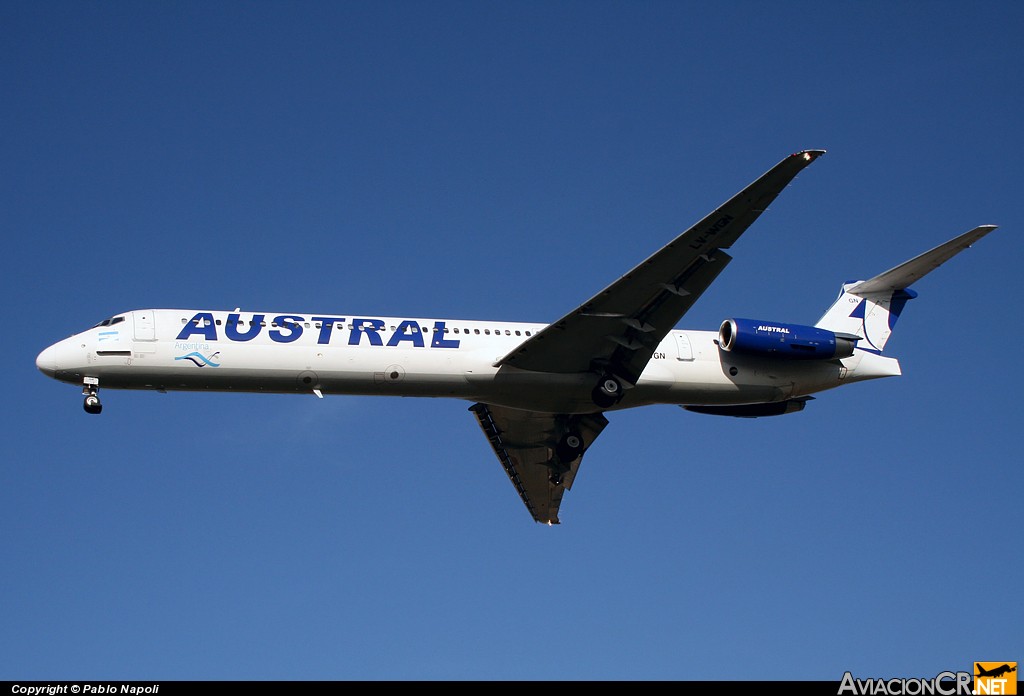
[870, 317]
[869, 308]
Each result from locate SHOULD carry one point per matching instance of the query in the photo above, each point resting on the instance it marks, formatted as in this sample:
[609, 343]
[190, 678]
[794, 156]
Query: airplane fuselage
[269, 352]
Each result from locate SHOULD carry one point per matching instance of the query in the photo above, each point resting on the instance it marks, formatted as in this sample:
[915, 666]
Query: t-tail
[868, 309]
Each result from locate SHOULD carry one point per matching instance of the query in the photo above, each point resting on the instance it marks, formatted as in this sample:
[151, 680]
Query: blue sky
[506, 160]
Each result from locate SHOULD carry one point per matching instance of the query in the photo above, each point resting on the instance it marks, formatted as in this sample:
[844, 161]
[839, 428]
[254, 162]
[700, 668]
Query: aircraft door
[145, 325]
[685, 352]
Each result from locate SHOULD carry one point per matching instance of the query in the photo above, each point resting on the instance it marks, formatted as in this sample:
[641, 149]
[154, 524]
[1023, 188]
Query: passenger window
[476, 331]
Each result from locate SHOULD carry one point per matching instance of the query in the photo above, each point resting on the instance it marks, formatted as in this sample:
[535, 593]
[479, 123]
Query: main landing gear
[568, 449]
[90, 389]
[607, 392]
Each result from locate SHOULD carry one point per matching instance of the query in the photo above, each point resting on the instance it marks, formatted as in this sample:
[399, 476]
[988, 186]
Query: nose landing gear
[90, 390]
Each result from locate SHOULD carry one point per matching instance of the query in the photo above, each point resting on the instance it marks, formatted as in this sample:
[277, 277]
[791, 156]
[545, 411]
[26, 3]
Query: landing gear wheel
[92, 404]
[569, 447]
[610, 386]
[607, 392]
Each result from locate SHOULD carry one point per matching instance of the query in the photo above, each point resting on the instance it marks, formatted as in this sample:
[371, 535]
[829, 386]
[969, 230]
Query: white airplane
[539, 391]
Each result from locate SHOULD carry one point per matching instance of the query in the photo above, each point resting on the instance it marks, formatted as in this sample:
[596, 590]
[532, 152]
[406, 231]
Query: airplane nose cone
[47, 361]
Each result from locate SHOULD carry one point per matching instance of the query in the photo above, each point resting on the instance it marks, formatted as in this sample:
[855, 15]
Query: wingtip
[809, 155]
[980, 231]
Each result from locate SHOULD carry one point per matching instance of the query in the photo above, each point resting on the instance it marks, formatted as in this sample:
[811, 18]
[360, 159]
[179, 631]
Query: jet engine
[788, 341]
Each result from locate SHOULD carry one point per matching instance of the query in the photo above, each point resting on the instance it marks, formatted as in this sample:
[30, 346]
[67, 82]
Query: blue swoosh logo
[200, 360]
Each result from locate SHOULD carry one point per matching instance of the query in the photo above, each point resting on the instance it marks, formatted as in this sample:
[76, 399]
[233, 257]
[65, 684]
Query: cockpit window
[110, 322]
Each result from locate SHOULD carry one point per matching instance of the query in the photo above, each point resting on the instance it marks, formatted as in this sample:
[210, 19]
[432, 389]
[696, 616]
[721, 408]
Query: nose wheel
[91, 391]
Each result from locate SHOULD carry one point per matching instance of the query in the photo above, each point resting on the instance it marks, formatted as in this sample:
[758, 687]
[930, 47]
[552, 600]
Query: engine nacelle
[788, 341]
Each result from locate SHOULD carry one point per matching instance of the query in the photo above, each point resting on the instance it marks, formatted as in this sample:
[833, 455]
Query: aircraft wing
[526, 442]
[618, 329]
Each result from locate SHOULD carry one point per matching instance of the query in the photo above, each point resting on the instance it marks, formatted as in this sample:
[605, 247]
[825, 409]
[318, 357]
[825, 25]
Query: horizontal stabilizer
[905, 274]
[869, 309]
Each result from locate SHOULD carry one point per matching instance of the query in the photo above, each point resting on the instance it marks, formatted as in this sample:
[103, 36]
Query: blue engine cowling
[789, 341]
